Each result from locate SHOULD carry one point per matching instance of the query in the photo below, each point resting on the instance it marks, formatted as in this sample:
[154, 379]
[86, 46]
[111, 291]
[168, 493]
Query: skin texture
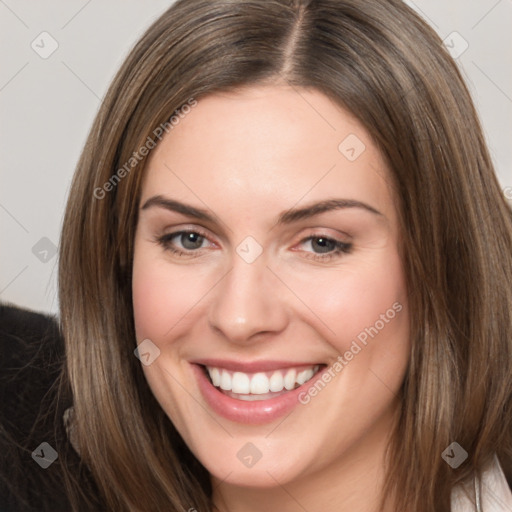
[247, 157]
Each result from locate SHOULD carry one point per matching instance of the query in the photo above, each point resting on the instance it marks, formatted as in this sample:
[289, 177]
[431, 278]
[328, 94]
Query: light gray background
[48, 104]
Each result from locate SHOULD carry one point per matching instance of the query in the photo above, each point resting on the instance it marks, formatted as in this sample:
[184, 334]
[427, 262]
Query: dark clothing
[31, 359]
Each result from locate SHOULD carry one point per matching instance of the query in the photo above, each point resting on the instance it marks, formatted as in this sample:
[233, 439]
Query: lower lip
[253, 412]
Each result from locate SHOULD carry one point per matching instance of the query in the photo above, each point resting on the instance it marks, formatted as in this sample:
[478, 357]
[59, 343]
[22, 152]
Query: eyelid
[340, 244]
[320, 232]
[182, 231]
[175, 230]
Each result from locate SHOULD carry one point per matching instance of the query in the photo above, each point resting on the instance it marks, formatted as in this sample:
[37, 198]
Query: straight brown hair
[381, 62]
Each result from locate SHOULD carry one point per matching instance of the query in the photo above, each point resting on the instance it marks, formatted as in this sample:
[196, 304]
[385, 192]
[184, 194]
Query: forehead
[268, 145]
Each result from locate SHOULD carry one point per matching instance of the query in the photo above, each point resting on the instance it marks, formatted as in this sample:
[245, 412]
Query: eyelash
[339, 249]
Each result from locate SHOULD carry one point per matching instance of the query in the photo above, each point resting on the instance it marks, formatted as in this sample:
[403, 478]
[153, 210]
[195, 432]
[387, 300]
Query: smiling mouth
[260, 385]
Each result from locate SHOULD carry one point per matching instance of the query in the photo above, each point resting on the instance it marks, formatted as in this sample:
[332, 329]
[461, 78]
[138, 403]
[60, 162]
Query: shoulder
[31, 354]
[33, 443]
[31, 357]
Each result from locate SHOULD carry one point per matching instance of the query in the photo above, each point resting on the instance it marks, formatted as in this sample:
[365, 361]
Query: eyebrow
[295, 214]
[287, 217]
[177, 206]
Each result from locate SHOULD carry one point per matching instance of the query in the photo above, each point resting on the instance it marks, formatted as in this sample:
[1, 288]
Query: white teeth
[289, 379]
[276, 382]
[304, 376]
[225, 381]
[260, 383]
[240, 383]
[215, 375]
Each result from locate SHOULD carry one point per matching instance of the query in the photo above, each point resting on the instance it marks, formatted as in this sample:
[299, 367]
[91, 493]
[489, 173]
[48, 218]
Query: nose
[247, 304]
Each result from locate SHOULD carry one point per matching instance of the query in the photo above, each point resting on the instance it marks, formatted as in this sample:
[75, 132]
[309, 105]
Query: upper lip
[252, 366]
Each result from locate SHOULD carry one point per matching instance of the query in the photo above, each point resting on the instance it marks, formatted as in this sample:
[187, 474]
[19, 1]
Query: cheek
[162, 296]
[150, 300]
[355, 300]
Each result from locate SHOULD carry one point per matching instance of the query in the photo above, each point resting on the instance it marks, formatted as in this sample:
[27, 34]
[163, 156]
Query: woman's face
[266, 255]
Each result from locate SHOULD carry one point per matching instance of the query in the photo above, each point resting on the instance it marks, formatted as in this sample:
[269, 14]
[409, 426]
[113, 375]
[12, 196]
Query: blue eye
[324, 248]
[322, 245]
[190, 240]
[182, 242]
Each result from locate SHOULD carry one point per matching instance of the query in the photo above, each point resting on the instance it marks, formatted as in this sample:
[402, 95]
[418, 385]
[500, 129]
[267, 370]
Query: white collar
[495, 493]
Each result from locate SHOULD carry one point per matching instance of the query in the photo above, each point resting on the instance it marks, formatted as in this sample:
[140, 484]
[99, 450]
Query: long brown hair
[380, 61]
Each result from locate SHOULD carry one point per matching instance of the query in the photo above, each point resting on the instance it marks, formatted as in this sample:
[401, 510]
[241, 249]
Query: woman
[284, 271]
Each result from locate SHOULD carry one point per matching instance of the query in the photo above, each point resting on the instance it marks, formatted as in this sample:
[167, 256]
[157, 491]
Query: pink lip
[251, 366]
[240, 411]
